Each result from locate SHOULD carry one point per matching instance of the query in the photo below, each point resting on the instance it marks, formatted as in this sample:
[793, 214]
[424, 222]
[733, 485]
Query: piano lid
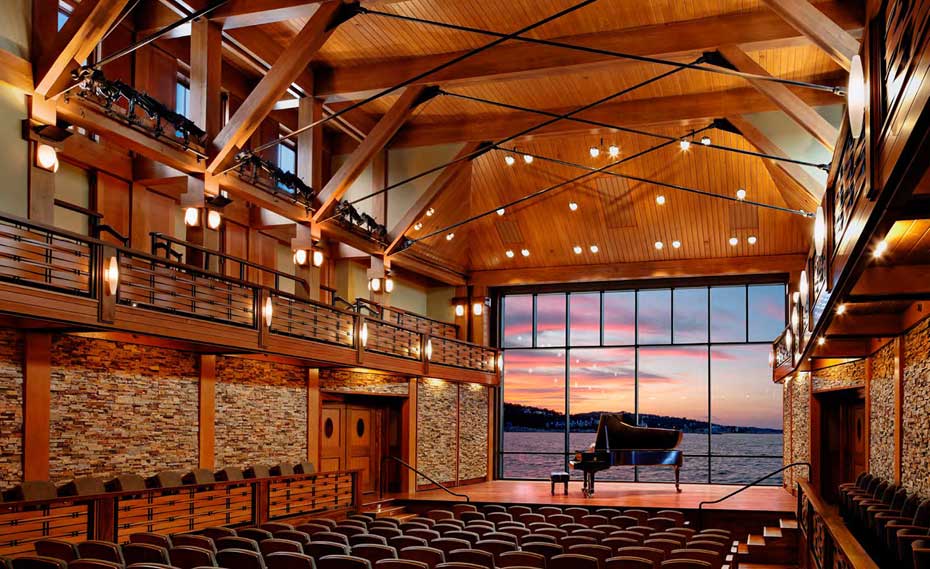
[613, 433]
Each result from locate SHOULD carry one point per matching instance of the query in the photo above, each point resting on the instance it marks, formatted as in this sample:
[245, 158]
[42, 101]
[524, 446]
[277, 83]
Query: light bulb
[317, 258]
[855, 97]
[509, 160]
[460, 310]
[705, 140]
[676, 244]
[660, 199]
[734, 241]
[577, 249]
[573, 206]
[525, 252]
[509, 253]
[751, 239]
[684, 144]
[594, 151]
[880, 249]
[741, 194]
[417, 226]
[300, 257]
[659, 245]
[191, 217]
[214, 219]
[430, 212]
[500, 211]
[614, 151]
[47, 157]
[527, 159]
[450, 236]
[594, 248]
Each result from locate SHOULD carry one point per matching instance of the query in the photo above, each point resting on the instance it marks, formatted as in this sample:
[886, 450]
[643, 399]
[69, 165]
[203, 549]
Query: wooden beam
[310, 143]
[804, 193]
[207, 411]
[84, 29]
[896, 281]
[792, 105]
[683, 40]
[448, 175]
[840, 45]
[852, 326]
[206, 84]
[37, 397]
[15, 71]
[260, 102]
[638, 112]
[376, 140]
[244, 13]
[762, 264]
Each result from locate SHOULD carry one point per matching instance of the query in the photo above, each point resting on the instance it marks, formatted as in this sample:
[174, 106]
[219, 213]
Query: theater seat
[239, 559]
[400, 564]
[281, 469]
[126, 483]
[31, 490]
[83, 486]
[102, 550]
[429, 556]
[165, 479]
[572, 561]
[304, 468]
[144, 553]
[93, 564]
[151, 538]
[342, 562]
[281, 560]
[522, 559]
[189, 557]
[257, 471]
[56, 549]
[229, 474]
[629, 562]
[199, 476]
[38, 562]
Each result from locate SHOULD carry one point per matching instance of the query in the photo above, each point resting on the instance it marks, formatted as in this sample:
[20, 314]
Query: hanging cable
[825, 167]
[555, 118]
[548, 189]
[409, 81]
[598, 51]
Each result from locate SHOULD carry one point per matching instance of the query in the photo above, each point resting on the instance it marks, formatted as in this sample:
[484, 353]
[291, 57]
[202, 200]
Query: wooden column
[480, 325]
[898, 405]
[867, 427]
[313, 416]
[206, 69]
[37, 399]
[408, 440]
[492, 432]
[461, 298]
[304, 239]
[196, 234]
[310, 165]
[814, 432]
[207, 411]
[379, 173]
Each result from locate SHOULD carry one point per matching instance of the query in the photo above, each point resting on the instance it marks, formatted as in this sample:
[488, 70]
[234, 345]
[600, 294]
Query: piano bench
[559, 477]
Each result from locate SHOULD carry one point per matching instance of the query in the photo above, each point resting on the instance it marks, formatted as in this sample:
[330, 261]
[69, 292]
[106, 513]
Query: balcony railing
[406, 319]
[47, 259]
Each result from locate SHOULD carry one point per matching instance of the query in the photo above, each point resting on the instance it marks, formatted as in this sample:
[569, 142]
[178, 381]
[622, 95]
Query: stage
[768, 499]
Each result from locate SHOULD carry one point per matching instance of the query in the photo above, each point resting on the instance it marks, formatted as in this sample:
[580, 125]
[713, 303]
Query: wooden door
[332, 437]
[363, 436]
[855, 429]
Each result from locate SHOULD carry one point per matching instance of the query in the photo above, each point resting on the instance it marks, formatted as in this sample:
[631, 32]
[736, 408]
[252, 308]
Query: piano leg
[677, 475]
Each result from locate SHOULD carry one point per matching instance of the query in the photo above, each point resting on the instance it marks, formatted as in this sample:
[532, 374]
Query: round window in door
[360, 427]
[328, 428]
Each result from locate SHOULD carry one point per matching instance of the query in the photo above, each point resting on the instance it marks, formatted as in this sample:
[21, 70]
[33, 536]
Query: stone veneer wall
[844, 376]
[118, 407]
[354, 381]
[881, 414]
[11, 407]
[787, 449]
[436, 429]
[915, 419]
[473, 431]
[798, 448]
[261, 412]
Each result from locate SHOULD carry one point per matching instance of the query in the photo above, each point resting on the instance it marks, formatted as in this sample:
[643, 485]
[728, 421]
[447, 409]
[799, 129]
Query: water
[723, 470]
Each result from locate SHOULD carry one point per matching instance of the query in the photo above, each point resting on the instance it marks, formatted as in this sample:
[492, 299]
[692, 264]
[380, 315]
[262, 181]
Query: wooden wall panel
[113, 199]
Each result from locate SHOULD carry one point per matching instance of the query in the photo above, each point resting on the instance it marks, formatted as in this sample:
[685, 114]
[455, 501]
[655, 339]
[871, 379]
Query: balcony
[51, 275]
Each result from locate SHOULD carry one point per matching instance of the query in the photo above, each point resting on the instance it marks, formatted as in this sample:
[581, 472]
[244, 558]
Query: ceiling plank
[823, 31]
[376, 140]
[761, 264]
[74, 42]
[792, 105]
[892, 281]
[684, 40]
[448, 175]
[261, 101]
[804, 190]
[638, 112]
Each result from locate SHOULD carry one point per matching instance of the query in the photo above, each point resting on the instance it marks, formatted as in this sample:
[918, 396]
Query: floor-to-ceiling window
[693, 358]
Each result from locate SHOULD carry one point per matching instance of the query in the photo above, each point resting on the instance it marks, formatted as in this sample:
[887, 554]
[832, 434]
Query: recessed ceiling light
[501, 211]
[577, 249]
[417, 226]
[509, 253]
[573, 205]
[527, 158]
[430, 212]
[880, 249]
[450, 236]
[684, 144]
[594, 151]
[659, 245]
[821, 341]
[752, 239]
[841, 309]
[705, 140]
[594, 248]
[676, 244]
[734, 241]
[525, 252]
[741, 194]
[509, 160]
[614, 151]
[660, 199]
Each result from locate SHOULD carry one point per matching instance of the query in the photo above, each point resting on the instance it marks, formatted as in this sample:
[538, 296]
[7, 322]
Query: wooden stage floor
[622, 494]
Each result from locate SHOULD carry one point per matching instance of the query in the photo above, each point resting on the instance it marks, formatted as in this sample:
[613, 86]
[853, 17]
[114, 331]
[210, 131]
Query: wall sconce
[214, 219]
[805, 286]
[789, 339]
[855, 97]
[820, 230]
[300, 257]
[268, 311]
[374, 284]
[191, 217]
[317, 258]
[388, 285]
[429, 348]
[363, 335]
[460, 310]
[771, 359]
[111, 275]
[500, 362]
[47, 157]
[477, 308]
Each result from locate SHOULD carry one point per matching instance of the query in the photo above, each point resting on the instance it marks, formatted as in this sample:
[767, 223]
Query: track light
[594, 248]
[525, 252]
[47, 157]
[527, 159]
[509, 253]
[676, 244]
[192, 217]
[214, 219]
[613, 151]
[509, 160]
[577, 249]
[594, 151]
[573, 206]
[660, 199]
[734, 241]
[684, 144]
[450, 236]
[501, 211]
[751, 239]
[741, 194]
[659, 245]
[430, 212]
[705, 140]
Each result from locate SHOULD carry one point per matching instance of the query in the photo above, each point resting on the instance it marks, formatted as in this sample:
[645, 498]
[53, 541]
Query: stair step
[771, 532]
[742, 549]
[787, 523]
[755, 540]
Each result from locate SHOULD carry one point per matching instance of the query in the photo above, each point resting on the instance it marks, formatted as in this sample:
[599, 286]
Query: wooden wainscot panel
[309, 350]
[152, 322]
[55, 306]
[399, 365]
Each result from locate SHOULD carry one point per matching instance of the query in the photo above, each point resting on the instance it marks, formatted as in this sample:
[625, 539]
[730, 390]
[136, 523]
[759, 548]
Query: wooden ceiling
[369, 52]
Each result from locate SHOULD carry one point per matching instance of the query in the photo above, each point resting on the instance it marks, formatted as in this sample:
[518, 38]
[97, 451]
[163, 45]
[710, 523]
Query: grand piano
[621, 444]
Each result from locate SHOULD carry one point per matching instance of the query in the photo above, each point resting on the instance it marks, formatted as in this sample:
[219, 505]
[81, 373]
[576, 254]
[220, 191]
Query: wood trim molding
[37, 396]
[314, 416]
[207, 411]
[899, 355]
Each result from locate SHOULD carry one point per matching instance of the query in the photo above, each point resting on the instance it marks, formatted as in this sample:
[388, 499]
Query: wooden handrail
[840, 536]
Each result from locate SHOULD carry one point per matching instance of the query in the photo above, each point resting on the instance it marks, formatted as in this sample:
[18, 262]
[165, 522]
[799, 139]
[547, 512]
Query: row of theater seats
[892, 523]
[91, 485]
[459, 538]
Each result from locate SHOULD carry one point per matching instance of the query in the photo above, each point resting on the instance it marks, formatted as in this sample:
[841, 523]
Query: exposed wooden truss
[823, 31]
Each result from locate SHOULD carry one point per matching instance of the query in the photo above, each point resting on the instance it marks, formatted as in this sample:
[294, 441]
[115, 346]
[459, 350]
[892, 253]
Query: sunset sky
[673, 379]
